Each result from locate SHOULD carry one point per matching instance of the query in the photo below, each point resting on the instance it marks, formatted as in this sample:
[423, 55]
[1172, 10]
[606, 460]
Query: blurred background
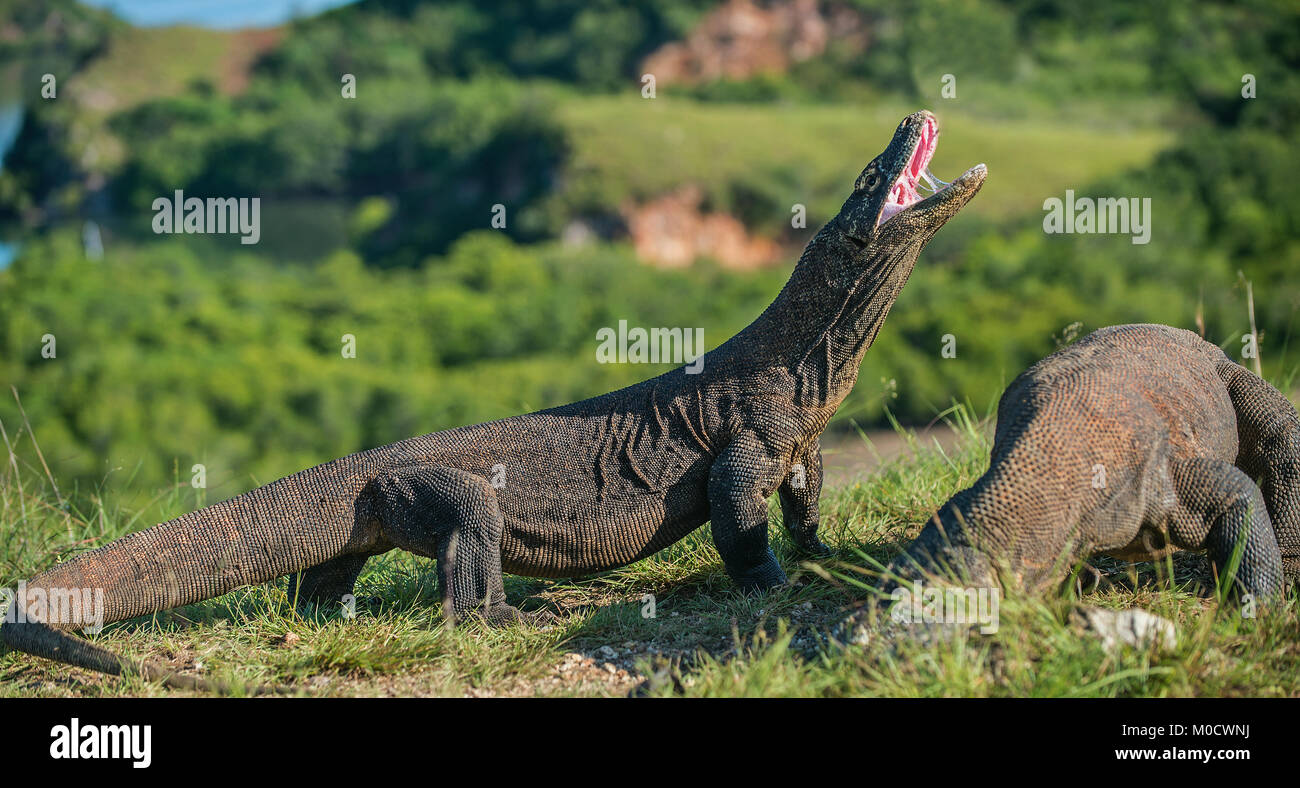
[674, 210]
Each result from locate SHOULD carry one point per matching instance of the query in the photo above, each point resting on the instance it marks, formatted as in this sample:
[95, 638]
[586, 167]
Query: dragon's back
[1123, 388]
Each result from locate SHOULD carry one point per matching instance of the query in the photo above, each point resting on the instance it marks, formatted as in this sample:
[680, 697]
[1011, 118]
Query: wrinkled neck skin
[826, 317]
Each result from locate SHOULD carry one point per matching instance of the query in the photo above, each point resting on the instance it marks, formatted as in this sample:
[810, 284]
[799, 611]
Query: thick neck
[827, 315]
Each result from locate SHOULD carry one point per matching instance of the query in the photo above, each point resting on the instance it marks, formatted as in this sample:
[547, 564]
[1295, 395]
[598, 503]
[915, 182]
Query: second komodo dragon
[1134, 442]
[587, 487]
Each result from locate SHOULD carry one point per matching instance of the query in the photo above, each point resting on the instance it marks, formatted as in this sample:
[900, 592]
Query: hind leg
[328, 582]
[1268, 432]
[799, 495]
[1221, 511]
[451, 515]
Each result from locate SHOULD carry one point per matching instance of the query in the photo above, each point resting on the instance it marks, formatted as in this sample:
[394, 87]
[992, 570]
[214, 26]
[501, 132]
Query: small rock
[608, 668]
[290, 638]
[607, 652]
[854, 633]
[1133, 628]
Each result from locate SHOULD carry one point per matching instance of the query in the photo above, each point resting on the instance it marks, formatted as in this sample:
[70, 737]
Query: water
[220, 14]
[11, 122]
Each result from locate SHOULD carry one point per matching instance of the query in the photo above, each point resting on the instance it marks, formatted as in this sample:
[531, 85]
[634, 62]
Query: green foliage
[442, 153]
[918, 42]
[59, 32]
[593, 44]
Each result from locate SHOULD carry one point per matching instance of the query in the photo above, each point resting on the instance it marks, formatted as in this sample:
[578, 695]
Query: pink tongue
[924, 150]
[904, 192]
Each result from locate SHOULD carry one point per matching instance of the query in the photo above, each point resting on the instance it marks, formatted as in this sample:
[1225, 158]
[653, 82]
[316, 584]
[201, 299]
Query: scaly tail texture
[278, 529]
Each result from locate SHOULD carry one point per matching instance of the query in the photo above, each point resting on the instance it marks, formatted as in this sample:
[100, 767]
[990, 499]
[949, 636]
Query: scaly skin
[587, 487]
[1134, 442]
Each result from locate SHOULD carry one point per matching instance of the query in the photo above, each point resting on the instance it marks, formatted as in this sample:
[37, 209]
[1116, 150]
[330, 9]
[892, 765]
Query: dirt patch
[243, 50]
[846, 457]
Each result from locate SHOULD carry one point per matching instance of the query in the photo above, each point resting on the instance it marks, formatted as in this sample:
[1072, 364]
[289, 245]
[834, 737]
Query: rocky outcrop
[741, 39]
[672, 231]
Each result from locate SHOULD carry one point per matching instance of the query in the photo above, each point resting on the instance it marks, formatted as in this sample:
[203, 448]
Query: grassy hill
[141, 64]
[627, 147]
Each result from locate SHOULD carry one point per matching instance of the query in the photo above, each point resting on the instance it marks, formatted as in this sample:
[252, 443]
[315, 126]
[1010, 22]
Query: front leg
[800, 493]
[741, 479]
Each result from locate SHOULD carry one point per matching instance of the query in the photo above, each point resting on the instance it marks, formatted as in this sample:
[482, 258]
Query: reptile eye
[869, 179]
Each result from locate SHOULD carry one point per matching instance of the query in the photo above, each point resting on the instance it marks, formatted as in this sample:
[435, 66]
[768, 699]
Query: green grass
[144, 63]
[704, 640]
[627, 147]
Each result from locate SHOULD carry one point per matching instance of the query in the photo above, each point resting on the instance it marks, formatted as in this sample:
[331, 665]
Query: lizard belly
[593, 485]
[585, 537]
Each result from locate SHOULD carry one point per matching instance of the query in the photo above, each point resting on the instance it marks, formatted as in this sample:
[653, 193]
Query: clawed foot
[507, 615]
[762, 577]
[813, 547]
[804, 536]
[540, 618]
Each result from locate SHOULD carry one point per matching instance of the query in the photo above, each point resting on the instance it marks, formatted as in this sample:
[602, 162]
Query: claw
[815, 548]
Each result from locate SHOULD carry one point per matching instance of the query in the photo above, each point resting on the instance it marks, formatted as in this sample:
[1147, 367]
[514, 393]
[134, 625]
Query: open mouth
[906, 190]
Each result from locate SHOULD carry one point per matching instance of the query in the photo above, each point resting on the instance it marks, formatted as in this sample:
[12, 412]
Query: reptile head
[897, 198]
[944, 560]
[947, 550]
[853, 269]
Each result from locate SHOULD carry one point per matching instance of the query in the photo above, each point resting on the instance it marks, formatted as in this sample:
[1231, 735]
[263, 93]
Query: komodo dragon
[588, 486]
[1134, 442]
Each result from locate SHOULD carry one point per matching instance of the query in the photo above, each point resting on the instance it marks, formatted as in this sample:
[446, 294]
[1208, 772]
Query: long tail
[281, 528]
